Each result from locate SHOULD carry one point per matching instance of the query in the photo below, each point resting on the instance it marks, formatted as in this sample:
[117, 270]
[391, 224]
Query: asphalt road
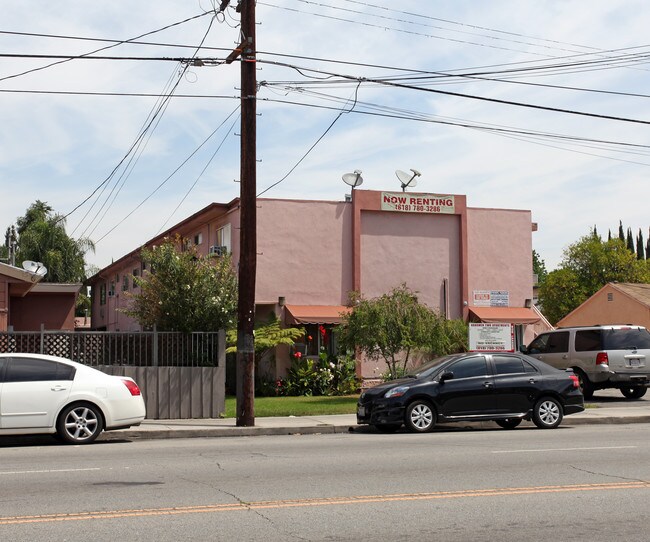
[573, 483]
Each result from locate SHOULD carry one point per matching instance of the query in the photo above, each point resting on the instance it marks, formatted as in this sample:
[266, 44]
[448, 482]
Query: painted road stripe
[331, 501]
[562, 449]
[8, 473]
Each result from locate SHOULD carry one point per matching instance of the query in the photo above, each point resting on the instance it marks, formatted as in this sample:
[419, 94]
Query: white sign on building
[491, 298]
[417, 203]
[496, 337]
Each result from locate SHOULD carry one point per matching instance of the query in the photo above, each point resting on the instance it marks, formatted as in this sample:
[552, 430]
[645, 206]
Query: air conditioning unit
[111, 293]
[218, 250]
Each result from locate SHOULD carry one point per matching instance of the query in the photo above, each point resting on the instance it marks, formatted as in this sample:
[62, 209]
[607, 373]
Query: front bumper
[380, 412]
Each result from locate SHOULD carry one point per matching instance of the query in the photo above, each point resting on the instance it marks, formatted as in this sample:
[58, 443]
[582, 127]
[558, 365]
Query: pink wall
[304, 252]
[417, 249]
[500, 253]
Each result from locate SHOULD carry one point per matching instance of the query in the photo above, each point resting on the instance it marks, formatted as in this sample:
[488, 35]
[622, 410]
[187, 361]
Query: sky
[517, 104]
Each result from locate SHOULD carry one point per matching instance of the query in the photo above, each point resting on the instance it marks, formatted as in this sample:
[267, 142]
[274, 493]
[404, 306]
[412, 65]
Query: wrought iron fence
[138, 349]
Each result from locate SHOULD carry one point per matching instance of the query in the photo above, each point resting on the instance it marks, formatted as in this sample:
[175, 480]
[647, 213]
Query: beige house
[614, 303]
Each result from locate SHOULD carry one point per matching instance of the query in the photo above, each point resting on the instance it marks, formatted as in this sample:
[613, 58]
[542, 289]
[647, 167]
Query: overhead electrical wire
[160, 185]
[158, 109]
[114, 43]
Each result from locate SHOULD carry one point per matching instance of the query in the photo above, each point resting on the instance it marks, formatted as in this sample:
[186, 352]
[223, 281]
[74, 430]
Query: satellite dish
[353, 179]
[407, 179]
[35, 267]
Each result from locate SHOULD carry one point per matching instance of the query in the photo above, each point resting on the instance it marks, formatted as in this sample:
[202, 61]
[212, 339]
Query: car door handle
[487, 384]
[58, 388]
[532, 381]
[565, 356]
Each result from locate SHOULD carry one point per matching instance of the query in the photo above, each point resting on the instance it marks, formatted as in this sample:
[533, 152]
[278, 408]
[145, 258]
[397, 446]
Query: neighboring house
[462, 261]
[614, 303]
[27, 304]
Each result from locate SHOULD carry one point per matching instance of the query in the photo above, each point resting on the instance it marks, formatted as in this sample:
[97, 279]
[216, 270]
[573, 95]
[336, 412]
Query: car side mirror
[523, 349]
[447, 375]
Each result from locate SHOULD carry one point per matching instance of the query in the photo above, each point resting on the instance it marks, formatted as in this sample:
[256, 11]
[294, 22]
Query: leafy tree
[42, 238]
[391, 327]
[184, 291]
[268, 335]
[560, 293]
[539, 267]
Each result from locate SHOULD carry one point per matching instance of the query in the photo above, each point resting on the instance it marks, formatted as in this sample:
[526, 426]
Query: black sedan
[502, 387]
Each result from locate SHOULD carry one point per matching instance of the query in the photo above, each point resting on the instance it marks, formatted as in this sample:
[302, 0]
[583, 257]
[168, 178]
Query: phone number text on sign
[417, 203]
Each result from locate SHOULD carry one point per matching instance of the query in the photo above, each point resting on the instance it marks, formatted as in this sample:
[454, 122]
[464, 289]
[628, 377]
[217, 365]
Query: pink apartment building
[466, 262]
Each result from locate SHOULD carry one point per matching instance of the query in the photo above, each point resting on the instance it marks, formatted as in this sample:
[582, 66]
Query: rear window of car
[35, 370]
[626, 339]
[588, 340]
[511, 365]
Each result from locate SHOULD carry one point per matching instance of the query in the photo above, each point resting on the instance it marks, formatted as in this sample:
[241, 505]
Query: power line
[461, 95]
[115, 43]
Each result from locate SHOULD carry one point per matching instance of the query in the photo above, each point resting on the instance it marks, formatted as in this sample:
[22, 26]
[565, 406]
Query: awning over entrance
[510, 315]
[315, 314]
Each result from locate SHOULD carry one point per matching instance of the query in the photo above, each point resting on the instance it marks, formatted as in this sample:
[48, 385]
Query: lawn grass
[297, 406]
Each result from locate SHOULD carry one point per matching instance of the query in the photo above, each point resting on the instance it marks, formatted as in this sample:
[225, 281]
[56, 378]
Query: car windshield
[626, 339]
[430, 367]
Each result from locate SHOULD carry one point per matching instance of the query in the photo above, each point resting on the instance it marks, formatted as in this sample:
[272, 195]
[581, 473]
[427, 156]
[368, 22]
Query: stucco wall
[500, 253]
[304, 252]
[622, 309]
[416, 249]
[54, 311]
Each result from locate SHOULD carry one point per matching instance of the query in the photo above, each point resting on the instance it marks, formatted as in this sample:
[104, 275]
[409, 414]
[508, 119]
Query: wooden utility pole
[248, 220]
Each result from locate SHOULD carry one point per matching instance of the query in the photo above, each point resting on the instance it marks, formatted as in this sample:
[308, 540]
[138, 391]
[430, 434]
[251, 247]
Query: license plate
[361, 411]
[634, 362]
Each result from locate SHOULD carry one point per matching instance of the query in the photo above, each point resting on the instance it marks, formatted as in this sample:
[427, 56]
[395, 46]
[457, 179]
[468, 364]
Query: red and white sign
[417, 203]
[497, 337]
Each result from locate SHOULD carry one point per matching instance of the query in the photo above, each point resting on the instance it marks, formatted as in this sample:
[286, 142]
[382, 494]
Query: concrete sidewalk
[342, 423]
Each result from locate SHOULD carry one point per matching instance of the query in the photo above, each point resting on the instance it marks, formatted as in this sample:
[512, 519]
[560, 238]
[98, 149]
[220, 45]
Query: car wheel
[635, 392]
[586, 387]
[388, 427]
[80, 423]
[420, 417]
[508, 423]
[547, 413]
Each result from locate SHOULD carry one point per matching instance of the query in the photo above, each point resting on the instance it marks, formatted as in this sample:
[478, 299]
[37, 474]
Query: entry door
[33, 392]
[471, 390]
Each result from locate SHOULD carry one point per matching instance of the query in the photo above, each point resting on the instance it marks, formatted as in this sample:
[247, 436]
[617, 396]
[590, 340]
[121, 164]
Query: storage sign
[497, 337]
[417, 203]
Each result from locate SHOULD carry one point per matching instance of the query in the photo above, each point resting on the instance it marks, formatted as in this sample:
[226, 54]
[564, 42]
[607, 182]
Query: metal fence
[138, 349]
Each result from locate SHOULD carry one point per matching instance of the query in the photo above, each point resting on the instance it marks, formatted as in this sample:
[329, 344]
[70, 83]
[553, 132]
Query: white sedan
[48, 394]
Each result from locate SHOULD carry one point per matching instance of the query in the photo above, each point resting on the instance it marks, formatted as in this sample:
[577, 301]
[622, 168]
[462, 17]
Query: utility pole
[248, 219]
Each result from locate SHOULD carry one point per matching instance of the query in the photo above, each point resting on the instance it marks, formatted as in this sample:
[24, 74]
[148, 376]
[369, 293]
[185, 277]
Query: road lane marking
[562, 449]
[7, 473]
[325, 501]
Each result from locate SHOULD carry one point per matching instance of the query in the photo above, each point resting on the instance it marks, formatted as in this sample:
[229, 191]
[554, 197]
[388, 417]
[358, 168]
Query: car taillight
[133, 387]
[575, 380]
[602, 359]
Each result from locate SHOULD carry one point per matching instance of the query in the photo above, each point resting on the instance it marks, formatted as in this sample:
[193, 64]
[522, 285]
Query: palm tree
[42, 238]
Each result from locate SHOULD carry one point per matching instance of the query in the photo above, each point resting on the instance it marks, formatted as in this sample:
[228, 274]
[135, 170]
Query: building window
[102, 294]
[223, 237]
[319, 339]
[125, 283]
[198, 239]
[610, 296]
[136, 273]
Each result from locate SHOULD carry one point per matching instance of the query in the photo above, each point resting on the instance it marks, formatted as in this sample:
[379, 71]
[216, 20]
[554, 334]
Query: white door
[33, 392]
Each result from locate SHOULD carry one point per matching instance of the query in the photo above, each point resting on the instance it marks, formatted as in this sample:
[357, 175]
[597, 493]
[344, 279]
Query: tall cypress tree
[621, 234]
[630, 240]
[609, 235]
[640, 248]
[647, 246]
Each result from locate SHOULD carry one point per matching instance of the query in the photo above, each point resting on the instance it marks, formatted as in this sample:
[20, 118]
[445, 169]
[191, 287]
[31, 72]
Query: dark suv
[602, 356]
